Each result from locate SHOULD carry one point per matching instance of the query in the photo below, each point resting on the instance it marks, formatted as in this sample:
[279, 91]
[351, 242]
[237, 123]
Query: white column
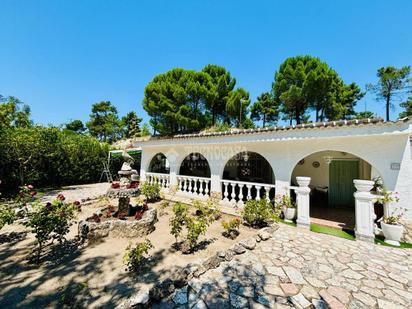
[302, 200]
[364, 211]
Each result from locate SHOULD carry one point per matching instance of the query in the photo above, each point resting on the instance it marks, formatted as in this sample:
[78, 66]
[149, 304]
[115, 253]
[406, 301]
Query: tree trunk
[388, 102]
[297, 115]
[317, 114]
[264, 120]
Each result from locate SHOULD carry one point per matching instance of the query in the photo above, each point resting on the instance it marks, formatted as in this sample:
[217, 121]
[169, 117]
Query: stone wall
[92, 231]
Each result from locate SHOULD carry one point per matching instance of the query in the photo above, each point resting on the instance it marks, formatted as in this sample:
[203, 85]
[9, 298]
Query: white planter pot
[392, 233]
[290, 214]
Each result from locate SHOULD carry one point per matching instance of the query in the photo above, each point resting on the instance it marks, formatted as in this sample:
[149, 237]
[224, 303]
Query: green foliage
[150, 191]
[49, 157]
[305, 82]
[135, 255]
[13, 113]
[145, 130]
[194, 224]
[104, 123]
[236, 106]
[392, 82]
[76, 126]
[364, 115]
[131, 125]
[178, 221]
[231, 227]
[407, 105]
[222, 84]
[259, 213]
[7, 215]
[182, 101]
[284, 201]
[265, 109]
[49, 221]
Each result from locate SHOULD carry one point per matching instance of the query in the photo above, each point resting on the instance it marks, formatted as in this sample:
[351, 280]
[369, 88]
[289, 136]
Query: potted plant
[391, 226]
[288, 207]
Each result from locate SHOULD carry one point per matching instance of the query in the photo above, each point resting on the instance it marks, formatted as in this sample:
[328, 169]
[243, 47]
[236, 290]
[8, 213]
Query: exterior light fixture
[328, 158]
[245, 157]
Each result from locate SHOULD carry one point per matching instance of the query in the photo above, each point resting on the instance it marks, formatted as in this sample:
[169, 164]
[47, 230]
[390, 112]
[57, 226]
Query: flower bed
[93, 231]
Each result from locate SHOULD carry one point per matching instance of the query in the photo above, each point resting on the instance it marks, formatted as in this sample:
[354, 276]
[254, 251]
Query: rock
[300, 301]
[331, 301]
[221, 254]
[365, 298]
[199, 271]
[229, 255]
[137, 300]
[341, 294]
[246, 291]
[237, 301]
[248, 243]
[212, 262]
[180, 296]
[319, 304]
[257, 238]
[289, 289]
[264, 235]
[200, 305]
[238, 249]
[273, 290]
[294, 275]
[162, 289]
[384, 304]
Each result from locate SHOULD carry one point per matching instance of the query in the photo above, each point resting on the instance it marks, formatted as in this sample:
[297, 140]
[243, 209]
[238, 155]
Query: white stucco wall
[379, 145]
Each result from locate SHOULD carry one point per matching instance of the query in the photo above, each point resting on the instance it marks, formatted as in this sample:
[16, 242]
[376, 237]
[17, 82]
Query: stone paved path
[302, 269]
[79, 192]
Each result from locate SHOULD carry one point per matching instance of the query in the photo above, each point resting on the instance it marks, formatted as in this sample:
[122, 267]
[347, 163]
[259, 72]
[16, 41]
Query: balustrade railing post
[240, 202]
[225, 193]
[364, 210]
[302, 200]
[258, 192]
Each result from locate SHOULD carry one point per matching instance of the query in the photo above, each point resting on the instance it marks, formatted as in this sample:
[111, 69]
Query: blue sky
[61, 56]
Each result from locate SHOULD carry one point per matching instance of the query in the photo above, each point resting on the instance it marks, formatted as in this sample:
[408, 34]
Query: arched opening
[197, 168]
[248, 167]
[159, 164]
[332, 173]
[195, 165]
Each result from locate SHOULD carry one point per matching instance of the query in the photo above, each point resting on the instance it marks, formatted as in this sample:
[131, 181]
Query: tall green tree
[220, 86]
[305, 82]
[131, 123]
[237, 106]
[265, 109]
[14, 113]
[175, 100]
[104, 122]
[392, 83]
[76, 126]
[407, 105]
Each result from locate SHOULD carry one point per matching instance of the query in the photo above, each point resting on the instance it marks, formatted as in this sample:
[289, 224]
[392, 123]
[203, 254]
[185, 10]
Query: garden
[56, 251]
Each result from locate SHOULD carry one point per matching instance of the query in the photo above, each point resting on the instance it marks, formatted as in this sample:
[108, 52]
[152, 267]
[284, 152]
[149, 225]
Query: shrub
[135, 256]
[7, 215]
[49, 221]
[194, 224]
[259, 213]
[178, 221]
[151, 191]
[208, 209]
[284, 201]
[231, 227]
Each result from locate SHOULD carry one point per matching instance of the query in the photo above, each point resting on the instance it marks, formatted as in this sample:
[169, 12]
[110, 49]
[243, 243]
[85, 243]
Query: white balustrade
[163, 180]
[302, 201]
[233, 191]
[191, 185]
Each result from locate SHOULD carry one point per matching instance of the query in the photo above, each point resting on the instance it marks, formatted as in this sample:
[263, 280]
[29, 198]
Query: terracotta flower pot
[392, 233]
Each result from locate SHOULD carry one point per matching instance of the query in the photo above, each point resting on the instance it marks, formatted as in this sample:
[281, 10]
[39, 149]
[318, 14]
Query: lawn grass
[379, 241]
[287, 223]
[331, 231]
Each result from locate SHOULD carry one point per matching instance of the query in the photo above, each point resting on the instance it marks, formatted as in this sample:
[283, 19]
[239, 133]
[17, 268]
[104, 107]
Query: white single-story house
[328, 166]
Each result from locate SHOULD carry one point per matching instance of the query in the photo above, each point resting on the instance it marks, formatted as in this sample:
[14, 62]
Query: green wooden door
[341, 188]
